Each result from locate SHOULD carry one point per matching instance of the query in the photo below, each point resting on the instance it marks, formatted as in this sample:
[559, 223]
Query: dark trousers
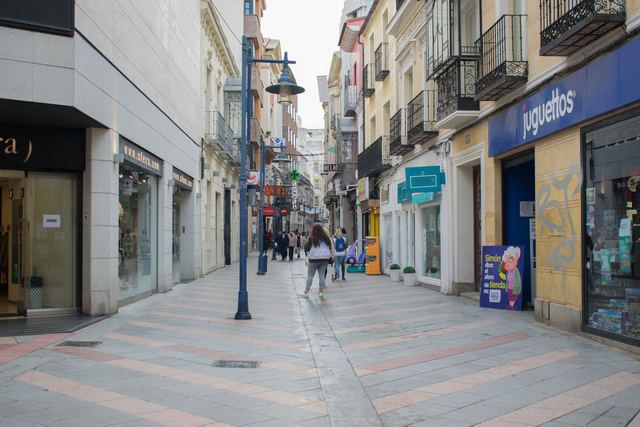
[291, 253]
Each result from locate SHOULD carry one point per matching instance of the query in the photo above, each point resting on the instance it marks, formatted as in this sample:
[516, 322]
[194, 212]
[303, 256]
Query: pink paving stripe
[118, 402]
[232, 337]
[564, 403]
[260, 392]
[223, 321]
[15, 351]
[385, 301]
[85, 353]
[183, 348]
[381, 325]
[466, 382]
[412, 337]
[438, 354]
[226, 311]
[375, 313]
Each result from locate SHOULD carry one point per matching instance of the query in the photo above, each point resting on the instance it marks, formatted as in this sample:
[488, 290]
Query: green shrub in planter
[409, 270]
[433, 270]
[394, 267]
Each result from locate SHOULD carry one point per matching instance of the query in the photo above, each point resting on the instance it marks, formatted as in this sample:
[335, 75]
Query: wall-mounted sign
[502, 268]
[51, 221]
[608, 83]
[363, 189]
[182, 180]
[279, 142]
[41, 148]
[424, 179]
[419, 198]
[330, 167]
[403, 196]
[140, 157]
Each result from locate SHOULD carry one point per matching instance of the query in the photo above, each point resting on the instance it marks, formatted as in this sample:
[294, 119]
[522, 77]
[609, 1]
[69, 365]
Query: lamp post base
[262, 264]
[243, 315]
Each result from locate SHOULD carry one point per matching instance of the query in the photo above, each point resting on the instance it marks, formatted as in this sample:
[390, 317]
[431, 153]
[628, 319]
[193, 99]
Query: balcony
[569, 25]
[502, 65]
[398, 144]
[381, 62]
[257, 86]
[421, 118]
[375, 158]
[456, 94]
[368, 83]
[256, 130]
[350, 101]
[220, 136]
[252, 30]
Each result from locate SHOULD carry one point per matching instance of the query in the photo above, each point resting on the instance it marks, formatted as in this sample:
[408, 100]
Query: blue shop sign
[419, 198]
[424, 179]
[403, 196]
[608, 83]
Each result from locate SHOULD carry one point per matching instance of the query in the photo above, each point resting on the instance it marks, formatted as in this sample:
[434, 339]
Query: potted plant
[394, 272]
[432, 272]
[409, 276]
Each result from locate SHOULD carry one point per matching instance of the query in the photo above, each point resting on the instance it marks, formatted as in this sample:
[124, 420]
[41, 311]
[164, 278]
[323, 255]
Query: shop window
[138, 245]
[431, 242]
[612, 229]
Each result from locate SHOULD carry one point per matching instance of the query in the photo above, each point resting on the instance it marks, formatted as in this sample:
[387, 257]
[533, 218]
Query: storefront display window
[612, 228]
[175, 246]
[431, 241]
[387, 246]
[138, 244]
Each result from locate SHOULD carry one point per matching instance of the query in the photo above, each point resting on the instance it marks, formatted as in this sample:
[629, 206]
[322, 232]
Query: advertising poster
[502, 268]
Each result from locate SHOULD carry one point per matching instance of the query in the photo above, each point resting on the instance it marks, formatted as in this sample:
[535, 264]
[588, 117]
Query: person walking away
[344, 260]
[266, 242]
[319, 249]
[340, 245]
[304, 247]
[283, 244]
[298, 243]
[292, 244]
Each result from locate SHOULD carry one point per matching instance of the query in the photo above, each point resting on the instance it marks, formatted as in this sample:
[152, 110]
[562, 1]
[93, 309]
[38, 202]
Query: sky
[308, 31]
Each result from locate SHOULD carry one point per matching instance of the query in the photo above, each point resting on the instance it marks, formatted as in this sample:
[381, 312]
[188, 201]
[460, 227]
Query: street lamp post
[262, 258]
[285, 88]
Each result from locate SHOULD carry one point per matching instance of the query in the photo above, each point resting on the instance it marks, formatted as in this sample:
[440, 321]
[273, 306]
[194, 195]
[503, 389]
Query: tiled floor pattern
[417, 357]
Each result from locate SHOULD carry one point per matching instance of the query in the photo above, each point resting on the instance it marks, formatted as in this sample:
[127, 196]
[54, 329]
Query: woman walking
[320, 249]
[340, 245]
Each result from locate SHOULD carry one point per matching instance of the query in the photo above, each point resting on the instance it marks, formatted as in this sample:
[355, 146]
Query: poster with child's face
[502, 268]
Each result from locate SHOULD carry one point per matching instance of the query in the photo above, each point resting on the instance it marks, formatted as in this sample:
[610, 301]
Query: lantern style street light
[285, 88]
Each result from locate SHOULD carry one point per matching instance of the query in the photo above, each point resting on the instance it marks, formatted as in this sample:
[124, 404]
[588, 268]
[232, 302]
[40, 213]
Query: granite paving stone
[323, 361]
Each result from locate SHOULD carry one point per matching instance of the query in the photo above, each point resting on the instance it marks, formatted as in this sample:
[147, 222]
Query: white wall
[232, 12]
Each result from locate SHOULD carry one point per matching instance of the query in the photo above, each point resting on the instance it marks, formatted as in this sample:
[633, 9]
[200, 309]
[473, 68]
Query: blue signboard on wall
[608, 83]
[502, 271]
[424, 179]
[403, 197]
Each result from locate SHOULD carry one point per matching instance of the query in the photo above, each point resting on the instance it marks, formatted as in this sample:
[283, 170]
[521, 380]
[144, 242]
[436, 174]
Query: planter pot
[395, 275]
[409, 279]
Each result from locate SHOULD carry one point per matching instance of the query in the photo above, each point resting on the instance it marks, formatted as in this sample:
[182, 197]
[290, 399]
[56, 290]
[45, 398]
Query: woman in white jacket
[320, 250]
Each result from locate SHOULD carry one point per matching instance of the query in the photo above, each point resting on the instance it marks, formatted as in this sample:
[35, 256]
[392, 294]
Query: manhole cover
[79, 344]
[235, 364]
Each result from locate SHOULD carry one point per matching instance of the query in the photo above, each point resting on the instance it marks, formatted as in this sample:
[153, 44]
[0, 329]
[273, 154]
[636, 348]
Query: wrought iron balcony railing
[381, 62]
[456, 89]
[222, 138]
[502, 64]
[421, 118]
[398, 144]
[399, 4]
[568, 25]
[375, 158]
[368, 82]
[350, 101]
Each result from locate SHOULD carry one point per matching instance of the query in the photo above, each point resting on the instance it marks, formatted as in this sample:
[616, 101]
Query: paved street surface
[370, 353]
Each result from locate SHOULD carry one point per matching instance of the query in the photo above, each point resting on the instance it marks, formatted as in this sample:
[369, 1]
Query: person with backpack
[320, 253]
[292, 244]
[340, 245]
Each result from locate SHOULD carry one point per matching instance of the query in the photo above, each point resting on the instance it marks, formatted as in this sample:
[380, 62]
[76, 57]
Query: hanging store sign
[253, 179]
[403, 196]
[424, 179]
[608, 83]
[51, 16]
[330, 167]
[140, 157]
[41, 148]
[182, 180]
[419, 198]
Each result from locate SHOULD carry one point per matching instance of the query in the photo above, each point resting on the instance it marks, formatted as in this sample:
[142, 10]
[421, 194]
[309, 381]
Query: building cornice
[215, 34]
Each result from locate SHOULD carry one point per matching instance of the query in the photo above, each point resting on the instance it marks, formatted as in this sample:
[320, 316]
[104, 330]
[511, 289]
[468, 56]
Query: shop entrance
[177, 231]
[518, 201]
[38, 243]
[477, 227]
